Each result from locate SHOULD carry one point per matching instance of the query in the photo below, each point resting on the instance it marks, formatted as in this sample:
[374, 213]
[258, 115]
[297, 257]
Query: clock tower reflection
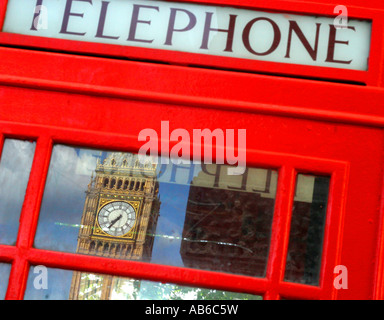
[119, 220]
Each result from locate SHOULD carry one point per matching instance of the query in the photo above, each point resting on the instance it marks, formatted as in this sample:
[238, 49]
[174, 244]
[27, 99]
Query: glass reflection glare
[15, 166]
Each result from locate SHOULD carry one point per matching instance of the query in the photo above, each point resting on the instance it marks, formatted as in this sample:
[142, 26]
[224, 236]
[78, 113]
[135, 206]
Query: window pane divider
[29, 218]
[1, 144]
[280, 230]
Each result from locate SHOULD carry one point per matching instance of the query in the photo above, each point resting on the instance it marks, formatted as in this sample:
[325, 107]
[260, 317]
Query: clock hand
[115, 220]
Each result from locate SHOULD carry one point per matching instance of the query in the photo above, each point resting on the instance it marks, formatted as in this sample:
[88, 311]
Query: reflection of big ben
[119, 221]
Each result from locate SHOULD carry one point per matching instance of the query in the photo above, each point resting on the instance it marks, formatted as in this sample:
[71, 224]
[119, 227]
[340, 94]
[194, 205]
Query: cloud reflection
[15, 166]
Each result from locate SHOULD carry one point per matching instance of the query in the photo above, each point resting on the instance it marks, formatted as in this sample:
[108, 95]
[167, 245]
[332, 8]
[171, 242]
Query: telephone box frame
[219, 92]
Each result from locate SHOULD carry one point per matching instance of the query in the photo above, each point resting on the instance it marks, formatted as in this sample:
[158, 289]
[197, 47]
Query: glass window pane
[15, 166]
[5, 270]
[75, 285]
[307, 229]
[195, 215]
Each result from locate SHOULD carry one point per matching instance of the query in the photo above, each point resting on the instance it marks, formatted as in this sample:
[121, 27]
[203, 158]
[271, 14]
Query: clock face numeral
[117, 218]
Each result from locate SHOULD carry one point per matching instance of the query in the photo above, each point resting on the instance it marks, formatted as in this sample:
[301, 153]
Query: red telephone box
[312, 128]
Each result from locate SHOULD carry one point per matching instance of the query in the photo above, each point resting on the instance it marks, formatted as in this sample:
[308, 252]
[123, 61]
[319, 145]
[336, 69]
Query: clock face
[117, 218]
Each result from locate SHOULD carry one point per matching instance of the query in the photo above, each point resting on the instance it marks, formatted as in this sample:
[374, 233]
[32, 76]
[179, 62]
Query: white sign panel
[217, 31]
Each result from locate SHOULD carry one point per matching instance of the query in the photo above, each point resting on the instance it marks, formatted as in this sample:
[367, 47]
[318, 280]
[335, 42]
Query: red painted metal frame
[372, 77]
[80, 120]
[83, 101]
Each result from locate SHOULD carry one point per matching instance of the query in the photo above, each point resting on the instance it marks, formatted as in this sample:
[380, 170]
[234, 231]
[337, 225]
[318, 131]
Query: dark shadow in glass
[307, 230]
